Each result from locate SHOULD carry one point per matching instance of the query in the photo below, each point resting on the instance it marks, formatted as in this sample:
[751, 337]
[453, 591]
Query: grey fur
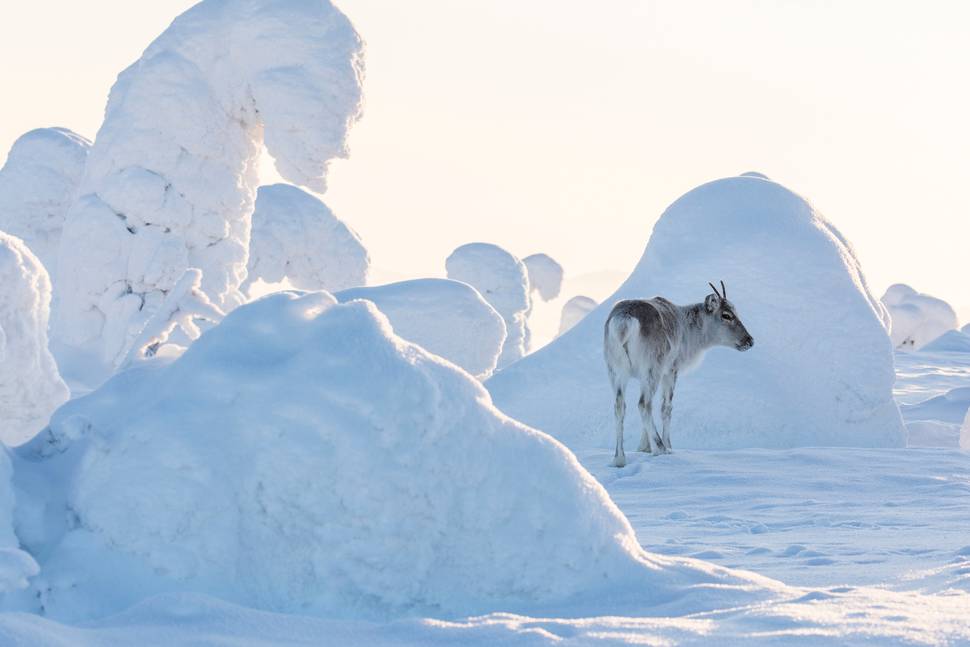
[654, 341]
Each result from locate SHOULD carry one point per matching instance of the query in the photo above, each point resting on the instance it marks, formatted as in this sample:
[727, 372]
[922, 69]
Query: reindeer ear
[712, 303]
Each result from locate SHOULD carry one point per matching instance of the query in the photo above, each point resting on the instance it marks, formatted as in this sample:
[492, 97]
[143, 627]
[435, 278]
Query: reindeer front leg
[648, 386]
[619, 409]
[667, 385]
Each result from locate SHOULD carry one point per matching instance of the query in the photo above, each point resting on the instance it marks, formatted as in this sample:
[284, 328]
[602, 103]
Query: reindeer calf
[653, 341]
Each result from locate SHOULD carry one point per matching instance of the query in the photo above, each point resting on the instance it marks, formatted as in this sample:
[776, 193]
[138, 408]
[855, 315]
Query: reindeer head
[723, 321]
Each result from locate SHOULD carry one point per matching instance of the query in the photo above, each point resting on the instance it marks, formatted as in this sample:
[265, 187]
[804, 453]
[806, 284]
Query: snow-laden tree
[574, 310]
[30, 385]
[917, 318]
[545, 275]
[37, 185]
[503, 281]
[296, 236]
[172, 175]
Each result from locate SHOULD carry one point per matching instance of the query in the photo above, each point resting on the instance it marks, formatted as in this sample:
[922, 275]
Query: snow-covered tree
[296, 236]
[30, 386]
[37, 185]
[503, 281]
[574, 310]
[545, 275]
[917, 318]
[172, 176]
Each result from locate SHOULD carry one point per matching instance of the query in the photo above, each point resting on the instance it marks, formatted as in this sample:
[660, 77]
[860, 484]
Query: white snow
[502, 279]
[37, 185]
[965, 433]
[445, 317]
[170, 181]
[15, 565]
[917, 318]
[574, 311]
[821, 371]
[952, 341]
[295, 236]
[301, 457]
[30, 385]
[545, 275]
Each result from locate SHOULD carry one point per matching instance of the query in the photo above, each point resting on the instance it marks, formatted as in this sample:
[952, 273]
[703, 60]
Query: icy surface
[917, 318]
[574, 311]
[445, 317]
[952, 341]
[30, 385]
[545, 275]
[37, 185]
[296, 236]
[172, 176]
[821, 371]
[502, 279]
[301, 457]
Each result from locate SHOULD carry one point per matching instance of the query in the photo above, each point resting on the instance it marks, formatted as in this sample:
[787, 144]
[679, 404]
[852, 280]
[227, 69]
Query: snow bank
[917, 318]
[15, 565]
[952, 341]
[574, 310]
[545, 275]
[502, 279]
[30, 386]
[37, 185]
[296, 236]
[171, 178]
[821, 372]
[301, 457]
[445, 317]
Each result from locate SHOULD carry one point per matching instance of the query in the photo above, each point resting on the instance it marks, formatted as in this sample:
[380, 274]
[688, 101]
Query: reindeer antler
[715, 289]
[723, 291]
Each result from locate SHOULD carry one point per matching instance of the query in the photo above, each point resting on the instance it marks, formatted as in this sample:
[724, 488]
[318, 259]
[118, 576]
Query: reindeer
[654, 341]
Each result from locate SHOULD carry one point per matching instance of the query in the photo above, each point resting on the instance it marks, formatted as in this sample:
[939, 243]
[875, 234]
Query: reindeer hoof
[643, 449]
[619, 461]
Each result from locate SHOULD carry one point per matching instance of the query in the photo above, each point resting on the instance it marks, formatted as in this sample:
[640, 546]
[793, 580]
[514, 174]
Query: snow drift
[545, 275]
[574, 311]
[295, 236]
[821, 372]
[299, 456]
[952, 341]
[445, 317]
[30, 385]
[917, 318]
[37, 185]
[171, 178]
[15, 565]
[502, 279]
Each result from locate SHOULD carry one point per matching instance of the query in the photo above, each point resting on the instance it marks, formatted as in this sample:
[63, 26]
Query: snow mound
[821, 371]
[295, 236]
[952, 341]
[574, 310]
[30, 386]
[15, 565]
[301, 457]
[445, 317]
[545, 275]
[172, 176]
[502, 279]
[37, 185]
[917, 318]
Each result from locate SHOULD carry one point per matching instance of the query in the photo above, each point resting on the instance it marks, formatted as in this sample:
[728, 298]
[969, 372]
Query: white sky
[567, 127]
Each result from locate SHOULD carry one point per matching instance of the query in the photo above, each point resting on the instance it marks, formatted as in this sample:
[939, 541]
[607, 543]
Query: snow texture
[170, 181]
[952, 341]
[301, 457]
[545, 275]
[502, 279]
[30, 386]
[821, 371]
[965, 433]
[37, 185]
[295, 236]
[15, 565]
[445, 317]
[574, 310]
[917, 318]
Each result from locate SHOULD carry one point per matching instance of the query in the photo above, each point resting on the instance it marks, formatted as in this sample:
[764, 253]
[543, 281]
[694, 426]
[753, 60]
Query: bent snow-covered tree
[172, 176]
[295, 236]
[30, 385]
[917, 318]
[503, 281]
[37, 185]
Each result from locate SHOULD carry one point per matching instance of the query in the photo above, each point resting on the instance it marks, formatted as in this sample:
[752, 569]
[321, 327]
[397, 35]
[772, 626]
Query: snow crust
[917, 318]
[170, 181]
[952, 341]
[30, 386]
[301, 457]
[445, 317]
[821, 371]
[37, 185]
[545, 275]
[503, 280]
[574, 310]
[296, 236]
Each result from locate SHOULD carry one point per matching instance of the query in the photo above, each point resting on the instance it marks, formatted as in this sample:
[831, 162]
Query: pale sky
[567, 127]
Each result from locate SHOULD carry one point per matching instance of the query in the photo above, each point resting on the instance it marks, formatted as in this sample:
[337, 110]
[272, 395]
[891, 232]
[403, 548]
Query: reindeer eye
[727, 316]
